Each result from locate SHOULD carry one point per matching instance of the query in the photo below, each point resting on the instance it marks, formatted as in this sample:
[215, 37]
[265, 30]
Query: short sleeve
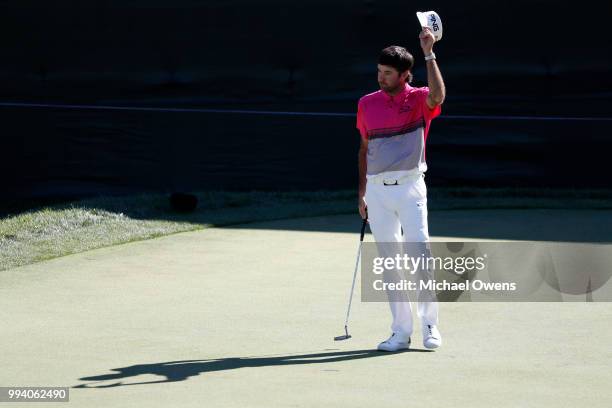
[361, 125]
[429, 114]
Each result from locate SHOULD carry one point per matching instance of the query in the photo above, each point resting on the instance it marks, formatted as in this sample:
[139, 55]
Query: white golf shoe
[394, 343]
[431, 337]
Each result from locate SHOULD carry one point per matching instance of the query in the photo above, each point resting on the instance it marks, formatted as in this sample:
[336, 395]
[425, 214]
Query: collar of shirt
[396, 98]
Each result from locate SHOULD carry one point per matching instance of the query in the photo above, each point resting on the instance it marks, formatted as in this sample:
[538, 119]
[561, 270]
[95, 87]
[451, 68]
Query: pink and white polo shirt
[396, 128]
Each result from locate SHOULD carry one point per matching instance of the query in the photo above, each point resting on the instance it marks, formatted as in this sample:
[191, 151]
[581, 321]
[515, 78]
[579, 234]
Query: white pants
[392, 208]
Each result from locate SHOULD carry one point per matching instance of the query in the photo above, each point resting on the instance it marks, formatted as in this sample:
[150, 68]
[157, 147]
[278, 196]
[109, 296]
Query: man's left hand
[427, 40]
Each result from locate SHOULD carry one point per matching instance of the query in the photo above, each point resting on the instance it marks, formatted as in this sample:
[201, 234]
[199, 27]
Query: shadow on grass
[213, 207]
[554, 215]
[181, 370]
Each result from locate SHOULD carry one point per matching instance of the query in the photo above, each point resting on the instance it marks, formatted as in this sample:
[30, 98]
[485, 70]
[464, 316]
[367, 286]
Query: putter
[346, 334]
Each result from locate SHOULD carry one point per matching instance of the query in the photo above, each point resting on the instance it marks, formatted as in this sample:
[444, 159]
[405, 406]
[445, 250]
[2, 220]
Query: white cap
[432, 20]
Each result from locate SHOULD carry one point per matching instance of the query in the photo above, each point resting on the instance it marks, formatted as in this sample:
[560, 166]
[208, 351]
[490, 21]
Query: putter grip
[363, 225]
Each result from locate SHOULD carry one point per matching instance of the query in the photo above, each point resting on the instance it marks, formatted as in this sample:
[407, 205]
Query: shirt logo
[405, 108]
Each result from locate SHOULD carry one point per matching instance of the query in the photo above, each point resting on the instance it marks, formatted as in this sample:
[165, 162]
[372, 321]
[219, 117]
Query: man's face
[389, 78]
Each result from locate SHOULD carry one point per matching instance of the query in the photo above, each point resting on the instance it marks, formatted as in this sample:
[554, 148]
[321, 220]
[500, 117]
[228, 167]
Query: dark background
[527, 58]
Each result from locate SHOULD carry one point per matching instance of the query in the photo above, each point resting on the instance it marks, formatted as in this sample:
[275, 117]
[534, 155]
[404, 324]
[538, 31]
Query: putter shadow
[174, 371]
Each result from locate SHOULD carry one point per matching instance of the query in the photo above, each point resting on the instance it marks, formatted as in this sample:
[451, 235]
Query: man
[394, 123]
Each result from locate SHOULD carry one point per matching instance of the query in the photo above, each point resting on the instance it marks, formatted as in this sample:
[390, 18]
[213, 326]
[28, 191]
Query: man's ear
[405, 75]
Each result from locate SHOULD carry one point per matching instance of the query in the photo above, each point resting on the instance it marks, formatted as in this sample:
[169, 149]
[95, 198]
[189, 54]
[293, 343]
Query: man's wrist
[427, 52]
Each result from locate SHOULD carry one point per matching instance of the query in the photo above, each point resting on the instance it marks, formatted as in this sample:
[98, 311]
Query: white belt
[393, 181]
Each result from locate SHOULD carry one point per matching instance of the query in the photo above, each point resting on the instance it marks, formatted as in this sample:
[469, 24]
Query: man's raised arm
[437, 91]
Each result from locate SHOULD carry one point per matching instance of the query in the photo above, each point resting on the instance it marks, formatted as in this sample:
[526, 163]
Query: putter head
[345, 336]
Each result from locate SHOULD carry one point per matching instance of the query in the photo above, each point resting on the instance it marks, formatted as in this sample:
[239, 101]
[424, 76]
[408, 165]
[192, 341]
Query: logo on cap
[434, 22]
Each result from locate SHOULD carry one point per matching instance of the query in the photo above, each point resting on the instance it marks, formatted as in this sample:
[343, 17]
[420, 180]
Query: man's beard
[386, 88]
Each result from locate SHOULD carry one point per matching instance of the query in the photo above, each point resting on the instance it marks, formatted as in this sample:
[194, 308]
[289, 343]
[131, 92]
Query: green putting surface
[245, 316]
